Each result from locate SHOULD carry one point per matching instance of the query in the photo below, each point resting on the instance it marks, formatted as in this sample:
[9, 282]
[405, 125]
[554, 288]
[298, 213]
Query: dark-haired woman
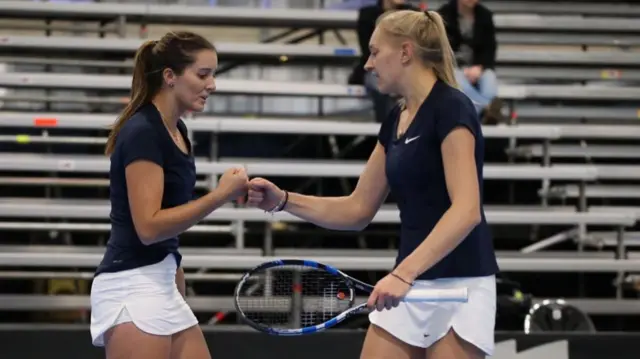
[138, 308]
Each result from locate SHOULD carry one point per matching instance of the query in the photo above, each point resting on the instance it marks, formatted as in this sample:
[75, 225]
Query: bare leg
[126, 341]
[453, 346]
[379, 344]
[189, 344]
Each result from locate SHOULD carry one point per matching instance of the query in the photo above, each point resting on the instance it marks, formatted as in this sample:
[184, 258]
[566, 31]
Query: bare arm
[352, 212]
[464, 213]
[145, 186]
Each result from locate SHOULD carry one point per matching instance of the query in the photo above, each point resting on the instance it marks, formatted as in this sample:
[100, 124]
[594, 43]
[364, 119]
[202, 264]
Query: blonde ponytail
[444, 69]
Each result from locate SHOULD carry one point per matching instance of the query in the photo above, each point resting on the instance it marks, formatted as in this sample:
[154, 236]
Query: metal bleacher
[559, 65]
[569, 73]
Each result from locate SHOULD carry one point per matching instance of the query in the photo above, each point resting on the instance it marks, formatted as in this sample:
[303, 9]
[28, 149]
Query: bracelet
[401, 279]
[280, 206]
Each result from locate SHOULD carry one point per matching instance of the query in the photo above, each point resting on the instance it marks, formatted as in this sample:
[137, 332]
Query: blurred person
[138, 309]
[367, 16]
[472, 35]
[429, 156]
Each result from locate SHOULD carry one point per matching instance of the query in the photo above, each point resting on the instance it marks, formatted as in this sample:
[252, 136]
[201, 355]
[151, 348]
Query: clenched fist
[264, 194]
[234, 183]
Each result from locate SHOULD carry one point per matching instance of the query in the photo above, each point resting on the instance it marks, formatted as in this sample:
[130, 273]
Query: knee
[489, 73]
[489, 83]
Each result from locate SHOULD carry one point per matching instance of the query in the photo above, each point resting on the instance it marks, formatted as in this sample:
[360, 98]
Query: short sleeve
[457, 111]
[140, 142]
[386, 128]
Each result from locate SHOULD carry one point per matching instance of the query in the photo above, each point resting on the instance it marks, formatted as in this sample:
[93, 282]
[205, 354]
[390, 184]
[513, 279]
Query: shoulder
[137, 125]
[138, 137]
[454, 109]
[452, 99]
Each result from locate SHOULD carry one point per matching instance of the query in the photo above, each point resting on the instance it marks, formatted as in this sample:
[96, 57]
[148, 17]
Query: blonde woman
[429, 156]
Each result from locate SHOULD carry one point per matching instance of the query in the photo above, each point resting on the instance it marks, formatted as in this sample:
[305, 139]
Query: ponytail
[142, 91]
[444, 69]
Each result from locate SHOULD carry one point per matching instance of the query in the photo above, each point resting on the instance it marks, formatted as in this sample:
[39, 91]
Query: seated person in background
[367, 17]
[472, 35]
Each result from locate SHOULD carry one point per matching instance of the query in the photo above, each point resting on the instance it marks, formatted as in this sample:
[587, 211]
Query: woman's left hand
[388, 293]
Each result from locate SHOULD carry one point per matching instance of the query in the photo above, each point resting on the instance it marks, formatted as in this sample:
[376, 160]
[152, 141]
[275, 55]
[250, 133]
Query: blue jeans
[481, 93]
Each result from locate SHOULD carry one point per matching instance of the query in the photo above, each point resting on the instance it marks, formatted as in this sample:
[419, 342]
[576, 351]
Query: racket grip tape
[437, 295]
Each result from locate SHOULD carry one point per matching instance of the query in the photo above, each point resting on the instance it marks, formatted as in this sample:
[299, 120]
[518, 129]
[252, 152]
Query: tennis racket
[289, 297]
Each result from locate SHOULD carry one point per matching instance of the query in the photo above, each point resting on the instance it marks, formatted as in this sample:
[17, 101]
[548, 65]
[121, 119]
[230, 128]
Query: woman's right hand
[234, 183]
[264, 194]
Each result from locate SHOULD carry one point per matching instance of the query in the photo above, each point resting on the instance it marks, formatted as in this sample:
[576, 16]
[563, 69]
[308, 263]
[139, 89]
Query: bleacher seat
[569, 73]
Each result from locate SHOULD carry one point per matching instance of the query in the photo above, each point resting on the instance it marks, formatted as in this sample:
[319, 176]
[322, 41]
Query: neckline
[181, 128]
[416, 116]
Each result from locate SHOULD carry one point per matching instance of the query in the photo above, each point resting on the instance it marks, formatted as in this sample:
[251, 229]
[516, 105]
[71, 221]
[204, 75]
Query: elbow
[349, 214]
[362, 217]
[146, 235]
[360, 224]
[148, 229]
[470, 213]
[147, 238]
[474, 215]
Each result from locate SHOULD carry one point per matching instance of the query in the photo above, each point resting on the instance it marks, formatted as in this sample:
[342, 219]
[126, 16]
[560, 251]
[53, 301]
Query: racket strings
[291, 297]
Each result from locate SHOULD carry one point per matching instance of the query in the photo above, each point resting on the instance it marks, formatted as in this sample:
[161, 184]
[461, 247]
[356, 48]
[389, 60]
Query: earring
[171, 85]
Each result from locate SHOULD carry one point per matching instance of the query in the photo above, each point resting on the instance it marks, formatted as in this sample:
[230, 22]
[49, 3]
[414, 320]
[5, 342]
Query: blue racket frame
[351, 282]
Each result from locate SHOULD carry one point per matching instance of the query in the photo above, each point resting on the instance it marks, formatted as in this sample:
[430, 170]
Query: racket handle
[437, 295]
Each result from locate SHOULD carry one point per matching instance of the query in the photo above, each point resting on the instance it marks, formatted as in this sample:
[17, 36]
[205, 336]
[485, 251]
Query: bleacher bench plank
[100, 209]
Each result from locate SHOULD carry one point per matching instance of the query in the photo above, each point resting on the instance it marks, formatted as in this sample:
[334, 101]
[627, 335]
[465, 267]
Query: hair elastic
[401, 279]
[280, 206]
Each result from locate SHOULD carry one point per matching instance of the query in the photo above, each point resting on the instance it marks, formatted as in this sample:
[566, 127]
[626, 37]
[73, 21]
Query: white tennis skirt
[147, 296]
[422, 324]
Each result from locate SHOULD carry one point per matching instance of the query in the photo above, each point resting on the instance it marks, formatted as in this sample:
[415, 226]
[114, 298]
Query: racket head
[294, 297]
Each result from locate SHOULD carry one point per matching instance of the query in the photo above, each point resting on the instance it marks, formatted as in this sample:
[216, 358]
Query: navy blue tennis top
[416, 178]
[144, 137]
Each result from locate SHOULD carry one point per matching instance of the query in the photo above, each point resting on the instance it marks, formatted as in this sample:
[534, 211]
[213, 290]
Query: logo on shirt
[409, 140]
